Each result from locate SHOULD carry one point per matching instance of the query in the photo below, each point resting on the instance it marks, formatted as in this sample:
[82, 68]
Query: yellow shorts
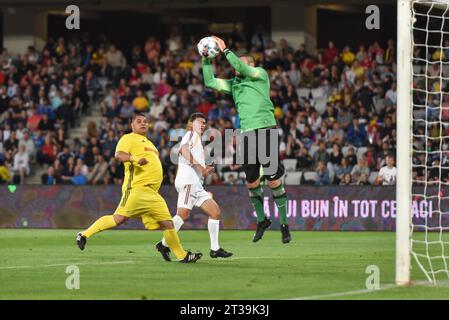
[144, 203]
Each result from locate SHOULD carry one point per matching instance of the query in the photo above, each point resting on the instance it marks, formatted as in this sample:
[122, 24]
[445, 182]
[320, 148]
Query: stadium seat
[372, 177]
[346, 148]
[293, 178]
[417, 69]
[320, 104]
[303, 93]
[318, 93]
[313, 149]
[361, 151]
[290, 164]
[103, 83]
[379, 105]
[330, 167]
[310, 176]
[445, 70]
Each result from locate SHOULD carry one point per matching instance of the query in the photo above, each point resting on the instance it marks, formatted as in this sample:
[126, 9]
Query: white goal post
[422, 151]
[403, 148]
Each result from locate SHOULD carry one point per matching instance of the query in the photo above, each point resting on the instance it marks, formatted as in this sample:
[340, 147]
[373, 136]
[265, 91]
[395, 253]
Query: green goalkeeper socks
[256, 197]
[280, 198]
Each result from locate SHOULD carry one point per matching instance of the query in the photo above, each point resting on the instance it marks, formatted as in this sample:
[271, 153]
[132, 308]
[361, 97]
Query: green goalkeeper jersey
[251, 92]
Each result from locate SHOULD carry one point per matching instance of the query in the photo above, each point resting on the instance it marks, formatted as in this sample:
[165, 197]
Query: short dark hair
[249, 56]
[138, 114]
[196, 115]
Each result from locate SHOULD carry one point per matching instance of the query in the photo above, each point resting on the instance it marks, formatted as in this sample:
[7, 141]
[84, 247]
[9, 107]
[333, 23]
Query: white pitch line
[253, 258]
[67, 264]
[365, 291]
[342, 294]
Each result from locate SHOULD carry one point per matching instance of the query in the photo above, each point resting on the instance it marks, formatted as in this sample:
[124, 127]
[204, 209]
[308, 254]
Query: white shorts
[190, 195]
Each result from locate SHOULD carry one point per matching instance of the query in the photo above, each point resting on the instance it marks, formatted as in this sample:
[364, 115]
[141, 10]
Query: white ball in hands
[208, 48]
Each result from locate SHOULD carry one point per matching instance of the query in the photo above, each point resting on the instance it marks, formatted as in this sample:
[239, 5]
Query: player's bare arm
[185, 152]
[124, 157]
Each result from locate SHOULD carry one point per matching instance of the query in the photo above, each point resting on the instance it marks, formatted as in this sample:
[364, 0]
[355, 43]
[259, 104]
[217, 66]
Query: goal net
[428, 110]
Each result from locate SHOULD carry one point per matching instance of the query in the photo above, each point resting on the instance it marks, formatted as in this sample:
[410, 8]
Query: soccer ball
[208, 48]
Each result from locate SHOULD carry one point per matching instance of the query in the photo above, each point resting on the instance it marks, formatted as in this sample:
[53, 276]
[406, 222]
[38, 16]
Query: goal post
[422, 139]
[404, 145]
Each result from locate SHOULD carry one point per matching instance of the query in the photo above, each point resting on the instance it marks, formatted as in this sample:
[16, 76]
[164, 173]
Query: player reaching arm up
[250, 89]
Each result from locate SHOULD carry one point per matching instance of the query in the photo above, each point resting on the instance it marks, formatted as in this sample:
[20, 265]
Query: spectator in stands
[347, 56]
[305, 160]
[47, 154]
[108, 145]
[49, 178]
[12, 143]
[330, 53]
[126, 111]
[361, 168]
[21, 164]
[260, 38]
[307, 78]
[356, 133]
[387, 174]
[140, 102]
[346, 181]
[363, 180]
[64, 155]
[341, 170]
[321, 154]
[231, 179]
[4, 173]
[98, 175]
[115, 172]
[46, 124]
[336, 134]
[84, 168]
[115, 63]
[68, 168]
[77, 179]
[391, 94]
[336, 156]
[323, 177]
[390, 53]
[344, 117]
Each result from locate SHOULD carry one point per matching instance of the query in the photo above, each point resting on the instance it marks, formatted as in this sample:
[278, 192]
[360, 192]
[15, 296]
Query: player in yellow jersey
[140, 196]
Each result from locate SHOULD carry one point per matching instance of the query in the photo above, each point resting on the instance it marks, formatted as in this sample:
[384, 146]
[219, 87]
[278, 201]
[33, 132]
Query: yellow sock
[174, 243]
[103, 223]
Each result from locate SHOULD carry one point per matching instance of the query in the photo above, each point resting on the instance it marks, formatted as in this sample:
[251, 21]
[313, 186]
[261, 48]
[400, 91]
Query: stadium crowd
[336, 108]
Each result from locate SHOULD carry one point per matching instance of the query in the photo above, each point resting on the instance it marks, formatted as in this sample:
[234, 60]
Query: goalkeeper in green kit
[250, 89]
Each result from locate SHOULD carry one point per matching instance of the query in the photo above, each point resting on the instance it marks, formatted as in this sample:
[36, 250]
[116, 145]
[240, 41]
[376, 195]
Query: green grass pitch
[123, 264]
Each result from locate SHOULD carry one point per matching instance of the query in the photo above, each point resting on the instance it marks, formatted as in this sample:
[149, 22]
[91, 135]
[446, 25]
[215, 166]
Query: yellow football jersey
[135, 175]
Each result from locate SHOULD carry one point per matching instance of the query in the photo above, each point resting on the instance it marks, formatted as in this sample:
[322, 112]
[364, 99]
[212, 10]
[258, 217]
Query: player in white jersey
[189, 183]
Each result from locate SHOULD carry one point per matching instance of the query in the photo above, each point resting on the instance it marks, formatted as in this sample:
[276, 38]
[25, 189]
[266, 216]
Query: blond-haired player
[140, 196]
